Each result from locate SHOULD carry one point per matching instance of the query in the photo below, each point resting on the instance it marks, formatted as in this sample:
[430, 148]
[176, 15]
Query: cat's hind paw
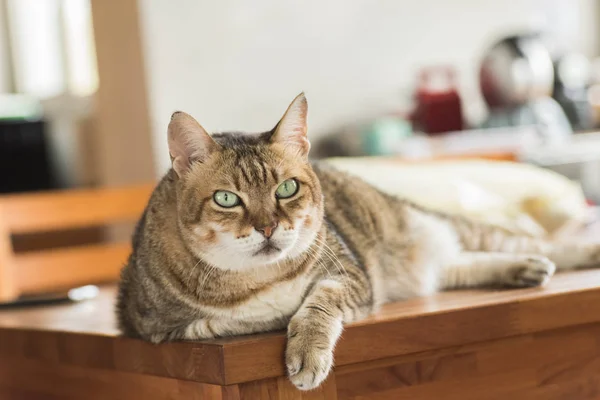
[532, 271]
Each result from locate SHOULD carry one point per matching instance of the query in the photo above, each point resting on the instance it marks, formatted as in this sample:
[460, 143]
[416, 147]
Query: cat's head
[246, 200]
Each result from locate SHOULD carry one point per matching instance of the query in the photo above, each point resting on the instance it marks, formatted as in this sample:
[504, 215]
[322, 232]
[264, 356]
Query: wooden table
[516, 344]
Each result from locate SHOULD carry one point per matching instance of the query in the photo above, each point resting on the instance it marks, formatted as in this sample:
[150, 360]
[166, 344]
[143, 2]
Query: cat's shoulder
[162, 196]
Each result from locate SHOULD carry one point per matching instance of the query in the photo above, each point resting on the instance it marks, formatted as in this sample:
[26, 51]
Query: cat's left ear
[291, 129]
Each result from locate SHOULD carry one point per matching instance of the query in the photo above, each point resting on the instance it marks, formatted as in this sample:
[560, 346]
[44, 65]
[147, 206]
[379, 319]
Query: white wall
[235, 64]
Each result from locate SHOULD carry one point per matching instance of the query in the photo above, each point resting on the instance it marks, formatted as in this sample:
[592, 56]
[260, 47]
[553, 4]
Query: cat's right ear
[188, 142]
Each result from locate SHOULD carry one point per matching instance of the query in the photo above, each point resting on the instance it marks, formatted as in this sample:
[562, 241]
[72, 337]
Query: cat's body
[328, 254]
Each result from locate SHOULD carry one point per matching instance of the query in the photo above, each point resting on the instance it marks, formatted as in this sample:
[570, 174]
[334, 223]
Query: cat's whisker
[319, 261]
[338, 265]
[211, 269]
[192, 270]
[332, 256]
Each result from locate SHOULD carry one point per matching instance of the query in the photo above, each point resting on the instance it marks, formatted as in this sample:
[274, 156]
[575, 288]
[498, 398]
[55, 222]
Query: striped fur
[344, 248]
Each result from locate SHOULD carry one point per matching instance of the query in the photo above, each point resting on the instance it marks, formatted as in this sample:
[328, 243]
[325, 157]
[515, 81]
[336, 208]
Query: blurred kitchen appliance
[572, 79]
[517, 80]
[545, 113]
[516, 70]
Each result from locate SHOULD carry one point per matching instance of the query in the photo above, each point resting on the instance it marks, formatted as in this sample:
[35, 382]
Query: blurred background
[484, 108]
[87, 86]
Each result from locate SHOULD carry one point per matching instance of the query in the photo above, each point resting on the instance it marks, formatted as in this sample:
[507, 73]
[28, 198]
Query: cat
[244, 234]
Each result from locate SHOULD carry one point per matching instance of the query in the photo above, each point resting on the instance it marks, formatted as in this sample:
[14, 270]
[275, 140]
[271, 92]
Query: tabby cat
[245, 235]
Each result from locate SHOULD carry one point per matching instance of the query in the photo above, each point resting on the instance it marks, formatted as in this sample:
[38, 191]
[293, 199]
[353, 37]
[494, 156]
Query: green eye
[226, 199]
[287, 189]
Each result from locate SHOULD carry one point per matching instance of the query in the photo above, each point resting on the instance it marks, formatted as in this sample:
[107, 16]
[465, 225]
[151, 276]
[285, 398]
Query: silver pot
[516, 70]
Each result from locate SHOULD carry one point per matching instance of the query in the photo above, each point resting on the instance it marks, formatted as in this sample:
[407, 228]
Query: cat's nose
[267, 231]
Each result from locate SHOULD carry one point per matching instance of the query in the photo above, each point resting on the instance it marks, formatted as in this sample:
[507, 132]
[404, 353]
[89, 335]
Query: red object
[438, 107]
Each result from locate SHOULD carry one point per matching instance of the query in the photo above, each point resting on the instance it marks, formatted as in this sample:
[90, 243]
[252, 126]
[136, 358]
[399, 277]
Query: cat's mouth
[268, 249]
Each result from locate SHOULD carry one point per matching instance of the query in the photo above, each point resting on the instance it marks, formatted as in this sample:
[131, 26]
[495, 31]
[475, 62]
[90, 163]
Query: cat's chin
[248, 261]
[268, 249]
[261, 260]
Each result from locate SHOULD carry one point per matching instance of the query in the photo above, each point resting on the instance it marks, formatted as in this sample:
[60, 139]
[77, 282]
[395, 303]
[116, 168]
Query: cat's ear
[188, 142]
[291, 129]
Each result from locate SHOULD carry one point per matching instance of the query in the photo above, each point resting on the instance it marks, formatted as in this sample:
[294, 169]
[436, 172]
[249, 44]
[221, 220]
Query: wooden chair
[52, 269]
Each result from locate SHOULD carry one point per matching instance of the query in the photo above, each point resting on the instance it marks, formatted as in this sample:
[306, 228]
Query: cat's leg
[198, 329]
[474, 269]
[485, 238]
[212, 327]
[317, 325]
[571, 256]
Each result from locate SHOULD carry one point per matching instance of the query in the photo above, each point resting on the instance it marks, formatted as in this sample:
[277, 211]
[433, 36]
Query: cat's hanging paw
[308, 367]
[309, 353]
[530, 272]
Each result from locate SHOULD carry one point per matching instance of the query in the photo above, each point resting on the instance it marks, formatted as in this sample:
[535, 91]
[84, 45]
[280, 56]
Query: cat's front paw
[309, 353]
[307, 366]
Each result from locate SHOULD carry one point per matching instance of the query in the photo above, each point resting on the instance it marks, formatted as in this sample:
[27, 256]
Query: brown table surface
[84, 334]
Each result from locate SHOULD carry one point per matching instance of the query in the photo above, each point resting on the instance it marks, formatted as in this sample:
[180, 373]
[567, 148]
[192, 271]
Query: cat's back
[345, 192]
[357, 210]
